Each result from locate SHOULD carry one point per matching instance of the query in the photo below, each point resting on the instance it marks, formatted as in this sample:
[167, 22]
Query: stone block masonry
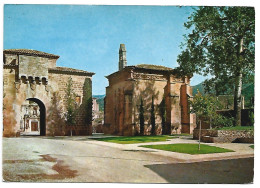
[31, 75]
[224, 136]
[132, 84]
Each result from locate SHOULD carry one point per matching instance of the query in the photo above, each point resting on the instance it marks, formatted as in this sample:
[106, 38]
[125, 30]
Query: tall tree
[153, 131]
[204, 107]
[71, 105]
[221, 44]
[162, 109]
[141, 117]
[87, 101]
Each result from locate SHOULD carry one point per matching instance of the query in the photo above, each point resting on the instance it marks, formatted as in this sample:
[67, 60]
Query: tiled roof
[69, 70]
[153, 67]
[149, 67]
[30, 52]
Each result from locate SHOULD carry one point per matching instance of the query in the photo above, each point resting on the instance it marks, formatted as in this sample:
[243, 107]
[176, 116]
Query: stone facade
[30, 118]
[131, 84]
[31, 75]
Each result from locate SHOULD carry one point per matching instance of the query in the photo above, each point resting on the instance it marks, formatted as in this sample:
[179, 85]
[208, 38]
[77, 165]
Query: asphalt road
[40, 159]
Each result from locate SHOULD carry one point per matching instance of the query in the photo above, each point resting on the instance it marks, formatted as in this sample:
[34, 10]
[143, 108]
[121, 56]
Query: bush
[251, 119]
[222, 121]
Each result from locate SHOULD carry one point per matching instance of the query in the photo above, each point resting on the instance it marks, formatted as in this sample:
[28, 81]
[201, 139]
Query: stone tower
[122, 57]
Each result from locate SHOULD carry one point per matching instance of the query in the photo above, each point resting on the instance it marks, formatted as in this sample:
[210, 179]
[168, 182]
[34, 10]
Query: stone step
[207, 139]
[225, 139]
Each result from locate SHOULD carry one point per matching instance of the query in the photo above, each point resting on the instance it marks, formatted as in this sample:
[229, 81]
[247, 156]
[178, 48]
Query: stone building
[30, 118]
[131, 84]
[95, 106]
[35, 95]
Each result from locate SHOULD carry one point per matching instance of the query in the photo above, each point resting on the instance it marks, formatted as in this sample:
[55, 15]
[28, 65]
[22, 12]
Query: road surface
[43, 159]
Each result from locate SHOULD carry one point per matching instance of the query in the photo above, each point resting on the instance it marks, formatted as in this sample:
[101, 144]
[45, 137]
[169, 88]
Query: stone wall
[59, 84]
[133, 84]
[224, 136]
[123, 97]
[204, 132]
[145, 90]
[25, 79]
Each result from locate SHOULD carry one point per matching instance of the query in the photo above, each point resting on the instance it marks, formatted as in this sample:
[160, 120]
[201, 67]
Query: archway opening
[33, 117]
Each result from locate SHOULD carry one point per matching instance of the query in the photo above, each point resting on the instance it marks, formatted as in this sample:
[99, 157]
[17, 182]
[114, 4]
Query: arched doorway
[33, 117]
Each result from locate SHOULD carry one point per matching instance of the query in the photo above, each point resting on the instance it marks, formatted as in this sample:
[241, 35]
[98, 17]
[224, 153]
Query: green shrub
[251, 119]
[222, 121]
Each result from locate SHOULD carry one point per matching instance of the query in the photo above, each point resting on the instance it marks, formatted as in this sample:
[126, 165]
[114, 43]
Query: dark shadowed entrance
[42, 115]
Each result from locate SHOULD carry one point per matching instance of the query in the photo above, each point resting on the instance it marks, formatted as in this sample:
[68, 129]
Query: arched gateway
[33, 117]
[35, 94]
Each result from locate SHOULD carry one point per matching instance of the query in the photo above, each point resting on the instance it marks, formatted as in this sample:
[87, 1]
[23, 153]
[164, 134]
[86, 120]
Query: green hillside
[198, 87]
[247, 91]
[100, 101]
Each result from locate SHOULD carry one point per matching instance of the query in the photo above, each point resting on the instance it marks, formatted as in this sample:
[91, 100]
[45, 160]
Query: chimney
[122, 57]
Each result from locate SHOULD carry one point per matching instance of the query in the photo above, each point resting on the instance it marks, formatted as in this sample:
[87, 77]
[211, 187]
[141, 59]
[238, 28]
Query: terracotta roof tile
[150, 67]
[154, 67]
[30, 52]
[69, 70]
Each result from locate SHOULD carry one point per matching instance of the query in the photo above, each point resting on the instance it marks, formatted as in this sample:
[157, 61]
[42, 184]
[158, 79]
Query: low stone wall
[224, 136]
[235, 136]
[204, 132]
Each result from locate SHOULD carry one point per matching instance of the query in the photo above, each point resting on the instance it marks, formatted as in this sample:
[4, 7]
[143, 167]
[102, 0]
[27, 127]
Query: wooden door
[34, 126]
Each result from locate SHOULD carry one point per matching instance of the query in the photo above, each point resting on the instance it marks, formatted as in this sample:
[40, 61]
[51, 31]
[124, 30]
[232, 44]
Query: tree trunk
[237, 99]
[199, 135]
[238, 86]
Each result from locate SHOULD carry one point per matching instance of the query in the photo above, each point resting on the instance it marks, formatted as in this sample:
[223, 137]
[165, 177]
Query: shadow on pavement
[232, 171]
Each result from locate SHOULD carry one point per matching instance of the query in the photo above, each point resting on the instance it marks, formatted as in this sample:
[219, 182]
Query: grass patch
[135, 139]
[252, 146]
[188, 148]
[182, 134]
[247, 128]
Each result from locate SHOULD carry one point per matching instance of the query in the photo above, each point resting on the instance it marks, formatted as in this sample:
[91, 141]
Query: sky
[88, 37]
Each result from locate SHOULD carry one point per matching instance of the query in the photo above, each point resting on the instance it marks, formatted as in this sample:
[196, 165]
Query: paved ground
[78, 159]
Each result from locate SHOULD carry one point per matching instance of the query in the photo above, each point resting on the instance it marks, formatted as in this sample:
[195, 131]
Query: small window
[78, 99]
[35, 111]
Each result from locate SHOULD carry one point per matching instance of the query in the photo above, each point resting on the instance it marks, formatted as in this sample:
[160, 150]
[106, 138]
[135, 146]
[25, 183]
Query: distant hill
[198, 87]
[100, 101]
[247, 91]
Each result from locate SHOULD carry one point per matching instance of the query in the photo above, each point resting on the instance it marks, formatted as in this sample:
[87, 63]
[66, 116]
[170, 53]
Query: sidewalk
[242, 150]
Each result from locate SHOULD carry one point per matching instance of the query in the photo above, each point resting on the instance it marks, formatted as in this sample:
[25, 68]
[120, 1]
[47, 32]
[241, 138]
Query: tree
[55, 115]
[205, 107]
[162, 108]
[141, 117]
[153, 131]
[71, 106]
[221, 44]
[87, 101]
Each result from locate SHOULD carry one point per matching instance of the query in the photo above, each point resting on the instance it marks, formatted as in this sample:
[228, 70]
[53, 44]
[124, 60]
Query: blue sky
[88, 37]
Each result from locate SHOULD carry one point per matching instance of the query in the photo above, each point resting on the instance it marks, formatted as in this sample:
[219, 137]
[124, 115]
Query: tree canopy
[221, 44]
[205, 107]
